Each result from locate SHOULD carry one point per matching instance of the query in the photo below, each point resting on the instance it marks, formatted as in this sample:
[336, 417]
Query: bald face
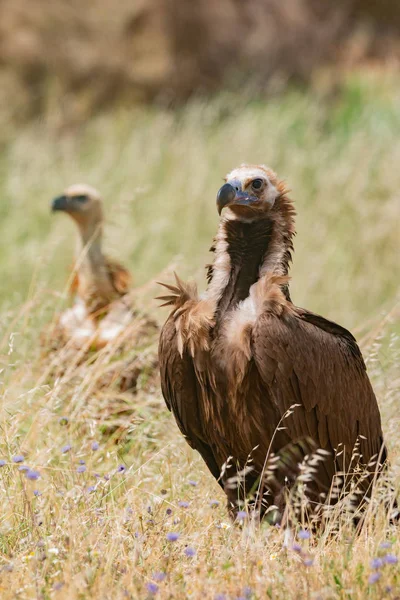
[82, 203]
[250, 192]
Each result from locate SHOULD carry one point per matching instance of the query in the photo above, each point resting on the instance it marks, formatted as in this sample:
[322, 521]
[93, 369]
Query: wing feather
[120, 276]
[180, 390]
[305, 359]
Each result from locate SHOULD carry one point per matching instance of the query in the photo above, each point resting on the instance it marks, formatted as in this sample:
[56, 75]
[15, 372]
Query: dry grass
[101, 533]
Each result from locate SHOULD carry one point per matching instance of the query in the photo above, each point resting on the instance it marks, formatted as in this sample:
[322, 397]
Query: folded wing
[307, 360]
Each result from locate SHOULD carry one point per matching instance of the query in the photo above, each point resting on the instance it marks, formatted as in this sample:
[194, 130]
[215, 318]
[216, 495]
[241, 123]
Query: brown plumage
[101, 308]
[254, 382]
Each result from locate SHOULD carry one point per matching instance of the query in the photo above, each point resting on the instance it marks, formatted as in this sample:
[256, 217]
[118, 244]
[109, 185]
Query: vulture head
[250, 192]
[83, 203]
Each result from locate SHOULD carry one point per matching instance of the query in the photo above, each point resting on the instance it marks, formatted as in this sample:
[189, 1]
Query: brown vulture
[101, 309]
[274, 397]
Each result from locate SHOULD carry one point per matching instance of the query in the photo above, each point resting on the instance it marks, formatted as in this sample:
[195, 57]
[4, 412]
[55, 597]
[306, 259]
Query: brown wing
[307, 360]
[120, 277]
[74, 284]
[180, 390]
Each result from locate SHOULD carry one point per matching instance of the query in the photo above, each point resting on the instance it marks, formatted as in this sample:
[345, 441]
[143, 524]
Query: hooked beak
[59, 203]
[228, 196]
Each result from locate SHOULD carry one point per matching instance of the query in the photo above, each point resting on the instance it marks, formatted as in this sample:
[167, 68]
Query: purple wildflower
[304, 535]
[91, 489]
[58, 586]
[32, 475]
[220, 597]
[214, 503]
[376, 563]
[36, 493]
[2, 462]
[95, 446]
[168, 511]
[121, 469]
[9, 568]
[247, 592]
[374, 577]
[106, 477]
[192, 483]
[189, 551]
[152, 588]
[183, 504]
[81, 469]
[385, 545]
[296, 547]
[23, 468]
[390, 559]
[19, 458]
[159, 576]
[242, 515]
[308, 562]
[66, 448]
[172, 536]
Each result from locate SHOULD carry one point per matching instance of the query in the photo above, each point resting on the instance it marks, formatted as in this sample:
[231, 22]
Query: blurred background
[153, 101]
[82, 57]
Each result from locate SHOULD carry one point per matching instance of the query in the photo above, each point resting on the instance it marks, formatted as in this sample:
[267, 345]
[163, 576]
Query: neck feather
[246, 251]
[95, 284]
[90, 246]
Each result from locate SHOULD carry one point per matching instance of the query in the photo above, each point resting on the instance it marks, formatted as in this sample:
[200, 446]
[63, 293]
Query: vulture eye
[81, 198]
[257, 184]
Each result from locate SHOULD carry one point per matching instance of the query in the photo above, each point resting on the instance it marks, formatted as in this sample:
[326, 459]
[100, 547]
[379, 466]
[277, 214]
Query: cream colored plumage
[101, 305]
